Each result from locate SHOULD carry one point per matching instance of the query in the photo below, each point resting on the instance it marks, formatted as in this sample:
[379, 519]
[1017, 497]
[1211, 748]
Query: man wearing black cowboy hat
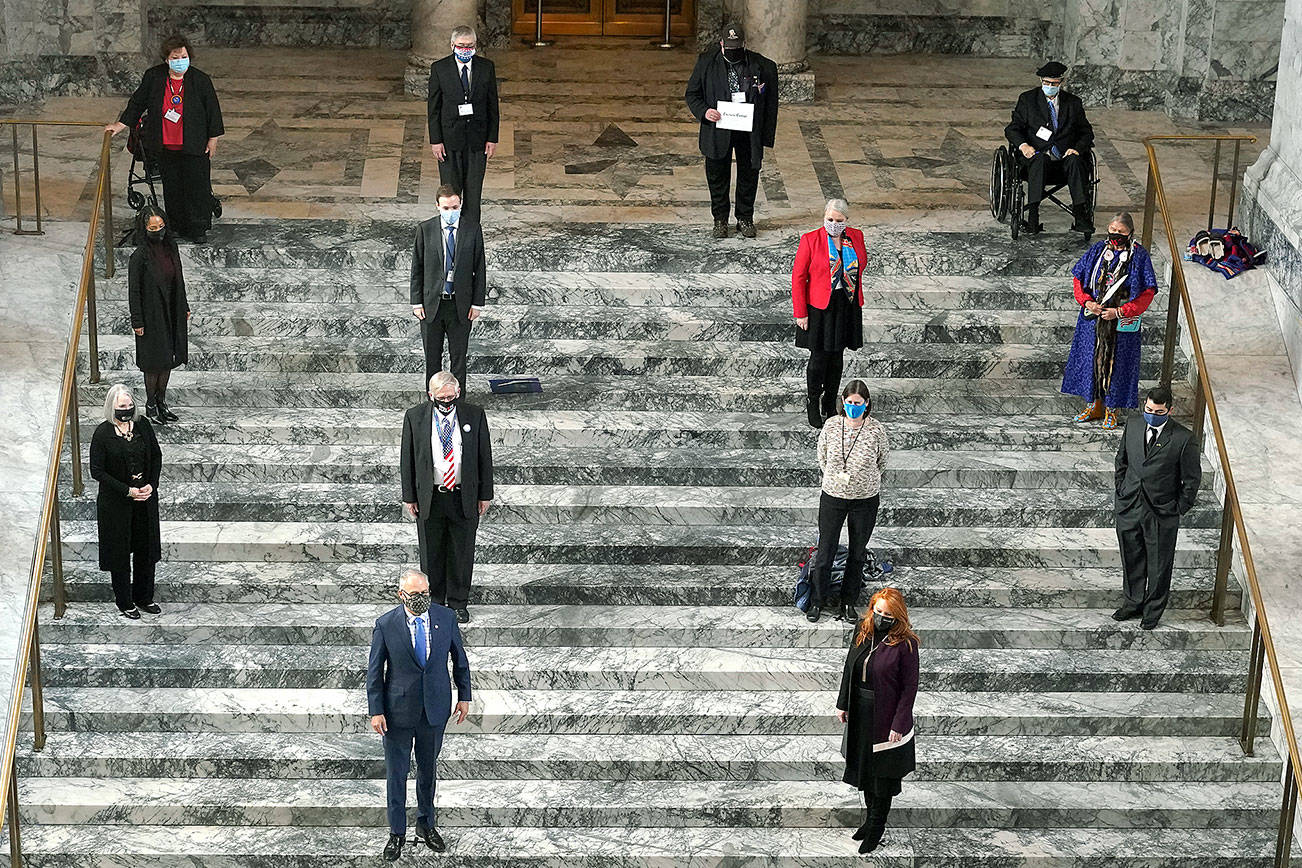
[731, 74]
[1051, 137]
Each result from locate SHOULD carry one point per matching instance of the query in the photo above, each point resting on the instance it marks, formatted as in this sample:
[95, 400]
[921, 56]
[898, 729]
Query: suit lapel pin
[465, 428]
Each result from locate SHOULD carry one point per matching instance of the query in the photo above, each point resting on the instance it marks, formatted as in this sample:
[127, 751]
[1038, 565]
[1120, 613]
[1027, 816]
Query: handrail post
[92, 331]
[74, 437]
[107, 169]
[1223, 554]
[1172, 324]
[1256, 663]
[38, 688]
[1146, 237]
[36, 181]
[538, 41]
[1287, 813]
[1216, 178]
[1234, 187]
[18, 185]
[56, 560]
[15, 838]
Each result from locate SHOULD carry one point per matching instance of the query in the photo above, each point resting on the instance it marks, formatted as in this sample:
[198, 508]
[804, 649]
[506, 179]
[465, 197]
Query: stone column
[776, 29]
[431, 29]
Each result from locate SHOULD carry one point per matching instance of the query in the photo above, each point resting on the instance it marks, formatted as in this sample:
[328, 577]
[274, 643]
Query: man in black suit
[1051, 137]
[409, 698]
[463, 117]
[448, 288]
[447, 484]
[1158, 473]
[731, 74]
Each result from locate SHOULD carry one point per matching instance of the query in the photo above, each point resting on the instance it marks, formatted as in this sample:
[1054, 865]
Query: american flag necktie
[445, 437]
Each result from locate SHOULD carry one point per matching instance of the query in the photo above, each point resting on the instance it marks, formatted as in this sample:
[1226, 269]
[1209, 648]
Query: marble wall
[68, 47]
[993, 28]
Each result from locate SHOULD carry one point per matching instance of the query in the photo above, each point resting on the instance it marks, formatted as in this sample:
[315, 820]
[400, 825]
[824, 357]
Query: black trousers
[187, 191]
[446, 324]
[447, 549]
[823, 381]
[718, 174]
[1147, 557]
[1041, 168]
[134, 587]
[833, 514]
[427, 740]
[465, 171]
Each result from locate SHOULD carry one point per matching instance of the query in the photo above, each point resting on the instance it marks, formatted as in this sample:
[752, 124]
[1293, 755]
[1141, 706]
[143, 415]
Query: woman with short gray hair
[827, 301]
[126, 462]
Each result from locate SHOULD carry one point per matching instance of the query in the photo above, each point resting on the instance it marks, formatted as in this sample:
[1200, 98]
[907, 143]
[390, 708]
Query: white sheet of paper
[1043, 134]
[465, 109]
[738, 116]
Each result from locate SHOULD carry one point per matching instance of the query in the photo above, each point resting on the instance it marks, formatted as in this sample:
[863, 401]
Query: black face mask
[445, 406]
[734, 55]
[155, 234]
[416, 601]
[1119, 240]
[125, 414]
[882, 623]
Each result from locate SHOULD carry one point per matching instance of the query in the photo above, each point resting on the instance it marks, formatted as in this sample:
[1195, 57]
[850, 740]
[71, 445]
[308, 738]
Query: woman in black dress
[125, 460]
[878, 686]
[159, 310]
[182, 123]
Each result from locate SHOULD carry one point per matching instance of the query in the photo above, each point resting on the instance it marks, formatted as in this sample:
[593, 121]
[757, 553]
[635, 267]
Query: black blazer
[1032, 112]
[113, 507]
[201, 118]
[416, 463]
[709, 85]
[1165, 483]
[446, 125]
[158, 307]
[399, 687]
[428, 273]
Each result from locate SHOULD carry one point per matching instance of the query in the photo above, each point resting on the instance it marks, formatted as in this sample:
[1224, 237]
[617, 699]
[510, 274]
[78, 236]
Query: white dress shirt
[436, 444]
[411, 628]
[1153, 432]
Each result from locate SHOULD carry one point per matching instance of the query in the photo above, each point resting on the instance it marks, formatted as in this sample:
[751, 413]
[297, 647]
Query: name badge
[172, 115]
[465, 109]
[449, 280]
[1044, 134]
[740, 96]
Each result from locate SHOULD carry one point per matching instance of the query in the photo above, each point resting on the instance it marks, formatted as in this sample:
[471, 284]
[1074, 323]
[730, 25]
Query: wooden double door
[605, 17]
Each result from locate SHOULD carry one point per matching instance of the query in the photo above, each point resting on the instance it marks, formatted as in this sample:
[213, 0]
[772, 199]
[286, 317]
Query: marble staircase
[645, 693]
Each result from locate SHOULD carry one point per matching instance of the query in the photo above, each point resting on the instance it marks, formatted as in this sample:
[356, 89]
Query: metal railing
[1232, 525]
[28, 663]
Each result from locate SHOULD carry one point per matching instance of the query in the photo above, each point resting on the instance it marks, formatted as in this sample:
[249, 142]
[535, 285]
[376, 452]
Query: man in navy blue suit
[409, 698]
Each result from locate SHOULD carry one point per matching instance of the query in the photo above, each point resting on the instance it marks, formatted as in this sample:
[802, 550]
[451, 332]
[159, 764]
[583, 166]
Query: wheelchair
[1008, 189]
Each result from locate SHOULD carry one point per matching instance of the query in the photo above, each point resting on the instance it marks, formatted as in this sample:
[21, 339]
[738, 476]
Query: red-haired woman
[878, 686]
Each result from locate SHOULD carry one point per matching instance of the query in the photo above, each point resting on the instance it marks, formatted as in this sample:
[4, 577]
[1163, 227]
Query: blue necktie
[422, 650]
[448, 257]
[465, 81]
[1053, 119]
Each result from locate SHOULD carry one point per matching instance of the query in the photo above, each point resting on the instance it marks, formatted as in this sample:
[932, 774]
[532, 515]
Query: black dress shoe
[860, 832]
[815, 415]
[849, 614]
[393, 849]
[720, 229]
[1029, 228]
[430, 838]
[871, 841]
[1147, 625]
[746, 228]
[166, 413]
[463, 615]
[151, 608]
[1124, 614]
[814, 613]
[132, 613]
[153, 415]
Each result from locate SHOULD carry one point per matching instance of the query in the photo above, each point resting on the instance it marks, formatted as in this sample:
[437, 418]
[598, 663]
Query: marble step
[363, 426]
[502, 322]
[637, 713]
[677, 506]
[749, 292]
[644, 585]
[673, 467]
[771, 756]
[645, 626]
[964, 546]
[164, 846]
[612, 358]
[562, 804]
[672, 248]
[999, 670]
[891, 396]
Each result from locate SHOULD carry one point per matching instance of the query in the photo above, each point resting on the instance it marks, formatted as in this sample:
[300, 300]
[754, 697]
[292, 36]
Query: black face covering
[416, 601]
[445, 406]
[882, 623]
[155, 234]
[1119, 239]
[734, 55]
[124, 414]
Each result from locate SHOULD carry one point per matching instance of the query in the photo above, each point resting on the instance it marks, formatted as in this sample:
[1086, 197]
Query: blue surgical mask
[1050, 89]
[450, 218]
[179, 65]
[1154, 420]
[854, 411]
[464, 54]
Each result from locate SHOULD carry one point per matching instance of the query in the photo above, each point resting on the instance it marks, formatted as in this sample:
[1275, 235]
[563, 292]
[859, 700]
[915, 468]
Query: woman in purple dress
[1114, 285]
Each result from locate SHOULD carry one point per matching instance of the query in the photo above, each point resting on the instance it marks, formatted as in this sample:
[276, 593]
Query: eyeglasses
[463, 46]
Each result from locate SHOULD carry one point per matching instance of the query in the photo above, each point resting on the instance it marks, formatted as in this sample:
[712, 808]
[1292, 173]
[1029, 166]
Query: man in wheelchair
[1051, 138]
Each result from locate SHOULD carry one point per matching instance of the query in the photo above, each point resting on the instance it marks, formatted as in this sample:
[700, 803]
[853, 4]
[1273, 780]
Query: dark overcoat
[159, 306]
[113, 506]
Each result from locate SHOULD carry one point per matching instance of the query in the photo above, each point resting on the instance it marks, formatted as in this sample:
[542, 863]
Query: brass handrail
[47, 537]
[1263, 646]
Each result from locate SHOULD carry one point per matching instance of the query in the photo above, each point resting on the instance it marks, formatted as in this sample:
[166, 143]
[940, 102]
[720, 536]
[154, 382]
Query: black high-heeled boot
[812, 410]
[876, 824]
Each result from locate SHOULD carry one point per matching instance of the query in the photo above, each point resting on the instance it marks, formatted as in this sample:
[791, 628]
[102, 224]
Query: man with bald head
[409, 698]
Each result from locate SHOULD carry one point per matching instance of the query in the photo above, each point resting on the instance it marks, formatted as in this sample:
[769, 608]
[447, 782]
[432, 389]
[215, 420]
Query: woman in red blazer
[827, 301]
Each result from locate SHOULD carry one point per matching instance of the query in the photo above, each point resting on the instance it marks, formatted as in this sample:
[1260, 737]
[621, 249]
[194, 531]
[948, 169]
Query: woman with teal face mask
[182, 121]
[852, 451]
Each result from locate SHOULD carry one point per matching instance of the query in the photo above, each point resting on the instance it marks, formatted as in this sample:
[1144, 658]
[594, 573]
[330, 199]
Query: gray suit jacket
[1165, 482]
[428, 271]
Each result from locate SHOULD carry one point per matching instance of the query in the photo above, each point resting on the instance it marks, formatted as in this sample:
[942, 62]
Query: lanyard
[845, 453]
[872, 649]
[175, 93]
